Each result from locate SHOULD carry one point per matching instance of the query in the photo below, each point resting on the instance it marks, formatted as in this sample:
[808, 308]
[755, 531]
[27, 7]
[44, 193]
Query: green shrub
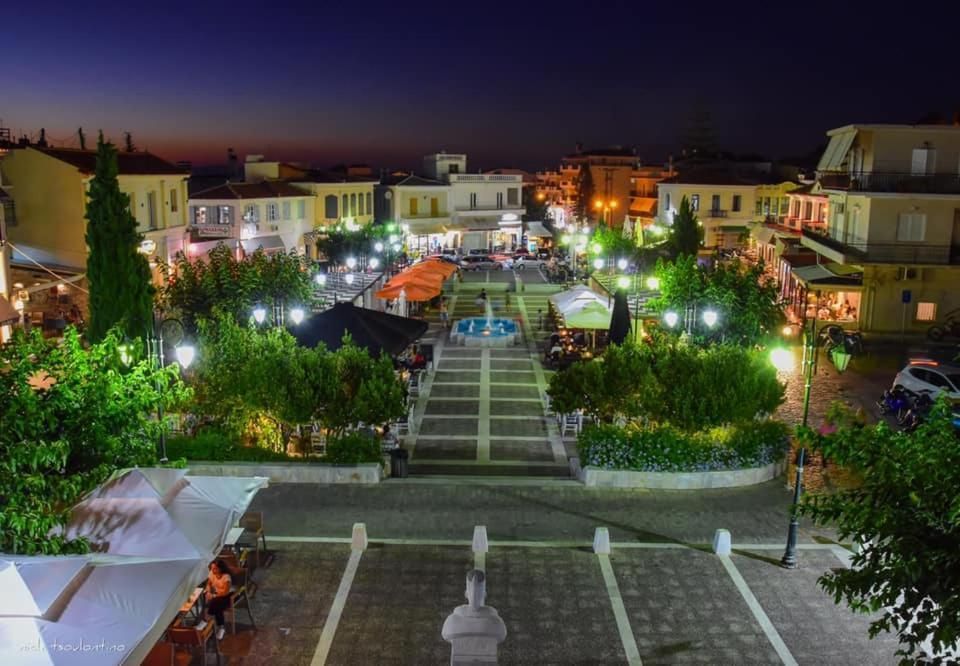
[216, 445]
[353, 448]
[665, 448]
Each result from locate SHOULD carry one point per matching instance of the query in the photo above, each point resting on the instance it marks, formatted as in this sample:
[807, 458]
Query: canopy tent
[370, 329]
[162, 513]
[413, 292]
[88, 609]
[580, 293]
[591, 315]
[437, 266]
[830, 275]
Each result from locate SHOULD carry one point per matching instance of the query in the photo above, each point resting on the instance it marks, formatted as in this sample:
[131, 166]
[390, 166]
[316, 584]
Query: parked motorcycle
[894, 401]
[917, 413]
[835, 336]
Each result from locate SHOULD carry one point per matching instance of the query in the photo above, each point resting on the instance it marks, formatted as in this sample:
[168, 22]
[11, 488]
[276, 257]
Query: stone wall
[291, 472]
[612, 478]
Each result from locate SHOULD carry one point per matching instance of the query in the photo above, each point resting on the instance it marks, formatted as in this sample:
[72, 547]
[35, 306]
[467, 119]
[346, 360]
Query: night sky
[510, 83]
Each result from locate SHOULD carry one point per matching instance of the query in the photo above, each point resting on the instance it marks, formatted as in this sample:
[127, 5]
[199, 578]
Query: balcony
[716, 212]
[883, 181]
[485, 178]
[880, 253]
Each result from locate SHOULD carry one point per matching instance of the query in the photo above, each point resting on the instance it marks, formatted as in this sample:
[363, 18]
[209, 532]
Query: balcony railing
[883, 181]
[484, 178]
[716, 212]
[889, 253]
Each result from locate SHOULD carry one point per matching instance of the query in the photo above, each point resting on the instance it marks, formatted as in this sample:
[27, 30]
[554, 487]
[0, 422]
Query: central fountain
[486, 331]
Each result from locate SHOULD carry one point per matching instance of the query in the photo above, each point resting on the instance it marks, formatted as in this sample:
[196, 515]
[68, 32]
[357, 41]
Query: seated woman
[218, 593]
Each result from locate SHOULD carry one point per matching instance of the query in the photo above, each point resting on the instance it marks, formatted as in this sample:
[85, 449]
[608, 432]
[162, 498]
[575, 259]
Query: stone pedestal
[474, 630]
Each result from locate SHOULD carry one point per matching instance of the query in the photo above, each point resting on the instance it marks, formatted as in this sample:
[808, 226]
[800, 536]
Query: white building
[272, 215]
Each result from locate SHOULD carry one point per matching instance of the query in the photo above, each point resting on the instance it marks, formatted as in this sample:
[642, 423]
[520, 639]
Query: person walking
[444, 315]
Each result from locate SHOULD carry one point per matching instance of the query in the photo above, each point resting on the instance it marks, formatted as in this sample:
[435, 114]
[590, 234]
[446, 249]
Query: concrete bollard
[721, 542]
[480, 542]
[601, 541]
[359, 540]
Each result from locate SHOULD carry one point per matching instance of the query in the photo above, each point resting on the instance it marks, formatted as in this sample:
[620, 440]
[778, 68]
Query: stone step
[492, 469]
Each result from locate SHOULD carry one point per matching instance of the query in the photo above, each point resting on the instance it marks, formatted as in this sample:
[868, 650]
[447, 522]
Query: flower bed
[666, 449]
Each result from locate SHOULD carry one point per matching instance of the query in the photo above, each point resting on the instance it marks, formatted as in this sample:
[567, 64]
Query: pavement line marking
[483, 419]
[547, 543]
[842, 554]
[336, 610]
[758, 613]
[619, 611]
[480, 561]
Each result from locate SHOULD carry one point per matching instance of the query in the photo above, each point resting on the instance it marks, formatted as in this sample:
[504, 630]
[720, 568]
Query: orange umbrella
[416, 276]
[414, 291]
[439, 267]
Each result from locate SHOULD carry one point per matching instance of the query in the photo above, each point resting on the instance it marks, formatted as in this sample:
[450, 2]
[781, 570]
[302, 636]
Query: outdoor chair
[238, 596]
[240, 568]
[547, 405]
[572, 422]
[252, 521]
[401, 426]
[192, 638]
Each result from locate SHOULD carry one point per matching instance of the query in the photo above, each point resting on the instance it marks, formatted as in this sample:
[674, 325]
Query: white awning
[837, 150]
[268, 243]
[537, 230]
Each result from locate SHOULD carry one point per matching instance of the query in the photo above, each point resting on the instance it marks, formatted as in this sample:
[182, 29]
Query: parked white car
[925, 376]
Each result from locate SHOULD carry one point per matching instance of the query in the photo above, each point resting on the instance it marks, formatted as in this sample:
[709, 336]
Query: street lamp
[671, 318]
[653, 283]
[320, 279]
[296, 315]
[259, 314]
[374, 262]
[185, 355]
[348, 278]
[351, 263]
[782, 359]
[710, 318]
[598, 263]
[622, 264]
[378, 246]
[623, 282]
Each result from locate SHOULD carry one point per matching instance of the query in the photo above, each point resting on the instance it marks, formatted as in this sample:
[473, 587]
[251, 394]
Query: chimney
[42, 142]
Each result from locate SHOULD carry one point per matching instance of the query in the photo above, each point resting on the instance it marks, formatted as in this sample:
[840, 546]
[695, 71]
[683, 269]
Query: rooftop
[268, 189]
[138, 163]
[412, 180]
[724, 176]
[333, 177]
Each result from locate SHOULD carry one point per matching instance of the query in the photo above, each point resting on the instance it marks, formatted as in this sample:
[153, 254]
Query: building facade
[892, 224]
[49, 188]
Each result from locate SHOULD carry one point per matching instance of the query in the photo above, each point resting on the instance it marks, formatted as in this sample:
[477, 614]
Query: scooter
[894, 401]
[835, 336]
[917, 412]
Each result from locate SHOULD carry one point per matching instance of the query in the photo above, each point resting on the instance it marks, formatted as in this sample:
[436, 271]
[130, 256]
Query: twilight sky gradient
[510, 83]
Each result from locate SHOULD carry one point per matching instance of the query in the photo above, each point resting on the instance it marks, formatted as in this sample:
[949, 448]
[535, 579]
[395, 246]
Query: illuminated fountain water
[486, 331]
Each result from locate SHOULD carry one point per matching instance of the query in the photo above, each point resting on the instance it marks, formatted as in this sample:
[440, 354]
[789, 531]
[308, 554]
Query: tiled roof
[412, 180]
[128, 164]
[268, 189]
[722, 176]
[332, 177]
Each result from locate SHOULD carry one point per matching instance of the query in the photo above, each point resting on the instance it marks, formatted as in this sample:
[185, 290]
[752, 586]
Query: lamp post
[184, 353]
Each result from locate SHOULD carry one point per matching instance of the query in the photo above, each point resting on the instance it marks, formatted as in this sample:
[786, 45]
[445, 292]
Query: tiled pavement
[481, 411]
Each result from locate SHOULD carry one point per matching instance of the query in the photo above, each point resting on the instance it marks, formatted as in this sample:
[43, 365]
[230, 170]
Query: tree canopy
[686, 234]
[906, 512]
[118, 274]
[585, 189]
[69, 417]
[194, 289]
[744, 297]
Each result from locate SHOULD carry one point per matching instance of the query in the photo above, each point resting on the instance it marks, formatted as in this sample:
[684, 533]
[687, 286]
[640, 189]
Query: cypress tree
[686, 234]
[118, 274]
[584, 208]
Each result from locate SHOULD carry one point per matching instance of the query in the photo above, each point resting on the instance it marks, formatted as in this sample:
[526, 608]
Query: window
[302, 208]
[251, 214]
[369, 198]
[151, 210]
[330, 206]
[938, 380]
[226, 215]
[286, 210]
[924, 159]
[413, 206]
[453, 168]
[736, 203]
[473, 200]
[784, 205]
[695, 202]
[173, 201]
[715, 202]
[808, 210]
[499, 199]
[345, 206]
[759, 209]
[766, 205]
[273, 214]
[926, 311]
[353, 205]
[666, 202]
[198, 215]
[821, 212]
[911, 227]
[513, 196]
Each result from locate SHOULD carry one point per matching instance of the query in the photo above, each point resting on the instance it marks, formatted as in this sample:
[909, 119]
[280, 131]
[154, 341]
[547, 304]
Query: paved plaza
[484, 453]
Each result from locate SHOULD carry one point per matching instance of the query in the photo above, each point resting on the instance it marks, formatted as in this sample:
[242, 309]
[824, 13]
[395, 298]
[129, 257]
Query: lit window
[695, 202]
[926, 311]
[272, 213]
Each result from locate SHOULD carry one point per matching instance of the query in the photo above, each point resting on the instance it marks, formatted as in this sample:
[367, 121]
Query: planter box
[285, 472]
[615, 478]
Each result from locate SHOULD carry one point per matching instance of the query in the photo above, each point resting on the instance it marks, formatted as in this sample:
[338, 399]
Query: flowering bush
[665, 448]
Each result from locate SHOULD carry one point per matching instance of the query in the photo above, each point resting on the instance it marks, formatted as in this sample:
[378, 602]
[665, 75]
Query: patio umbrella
[369, 329]
[402, 302]
[620, 320]
[444, 268]
[419, 277]
[590, 315]
[413, 292]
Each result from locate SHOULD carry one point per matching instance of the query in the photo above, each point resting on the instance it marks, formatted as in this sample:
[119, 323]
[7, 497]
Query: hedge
[668, 449]
[217, 446]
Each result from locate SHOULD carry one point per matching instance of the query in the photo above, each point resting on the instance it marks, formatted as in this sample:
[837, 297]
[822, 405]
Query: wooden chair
[160, 655]
[239, 596]
[192, 637]
[252, 521]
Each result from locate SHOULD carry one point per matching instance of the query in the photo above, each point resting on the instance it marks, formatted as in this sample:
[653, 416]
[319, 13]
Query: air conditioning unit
[909, 273]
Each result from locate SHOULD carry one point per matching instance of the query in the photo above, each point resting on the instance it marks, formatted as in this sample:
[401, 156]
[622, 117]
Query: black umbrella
[620, 319]
[370, 329]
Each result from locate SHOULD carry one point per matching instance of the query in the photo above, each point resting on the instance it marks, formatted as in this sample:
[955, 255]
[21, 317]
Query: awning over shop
[429, 227]
[537, 230]
[830, 275]
[267, 243]
[643, 206]
[762, 234]
[8, 315]
[836, 150]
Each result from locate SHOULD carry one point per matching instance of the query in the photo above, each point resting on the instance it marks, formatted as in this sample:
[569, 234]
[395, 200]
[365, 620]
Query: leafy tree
[612, 242]
[535, 207]
[119, 276]
[366, 390]
[906, 510]
[686, 234]
[743, 295]
[222, 282]
[585, 190]
[69, 417]
[664, 382]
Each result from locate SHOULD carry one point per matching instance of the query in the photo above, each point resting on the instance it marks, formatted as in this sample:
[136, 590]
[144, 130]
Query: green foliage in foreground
[211, 444]
[353, 448]
[906, 509]
[70, 417]
[668, 449]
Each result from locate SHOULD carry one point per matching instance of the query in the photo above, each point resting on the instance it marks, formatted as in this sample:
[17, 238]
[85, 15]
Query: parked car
[475, 262]
[932, 377]
[521, 252]
[505, 260]
[478, 252]
[525, 260]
